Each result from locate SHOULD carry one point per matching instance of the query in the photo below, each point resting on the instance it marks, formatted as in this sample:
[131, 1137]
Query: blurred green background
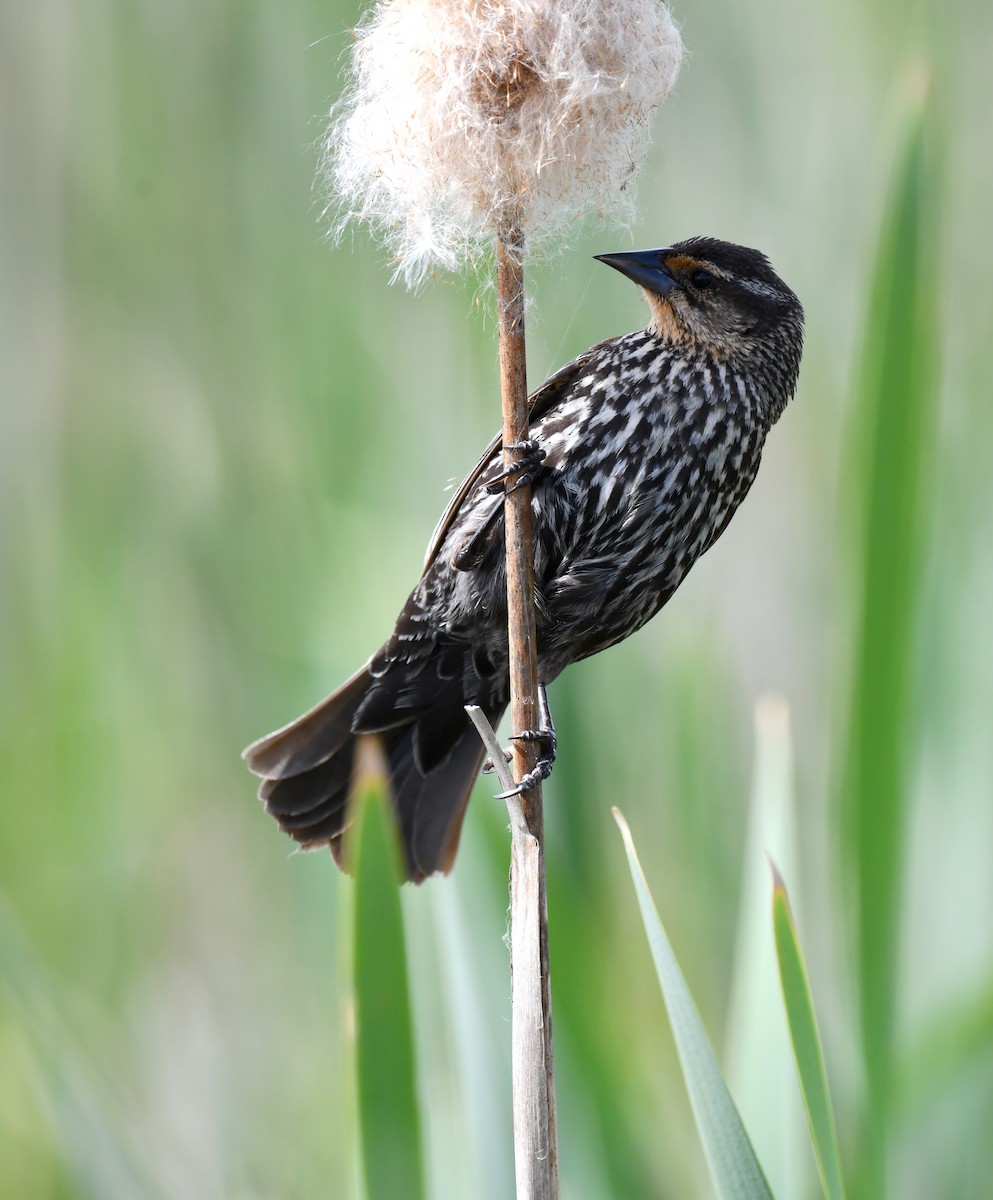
[223, 446]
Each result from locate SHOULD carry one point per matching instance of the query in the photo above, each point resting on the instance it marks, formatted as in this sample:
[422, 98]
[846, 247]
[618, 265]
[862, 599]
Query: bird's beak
[645, 267]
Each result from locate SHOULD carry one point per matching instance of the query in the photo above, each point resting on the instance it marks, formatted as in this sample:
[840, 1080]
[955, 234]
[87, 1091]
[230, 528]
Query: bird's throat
[664, 322]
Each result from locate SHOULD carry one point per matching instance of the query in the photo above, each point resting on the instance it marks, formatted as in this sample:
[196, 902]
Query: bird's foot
[528, 457]
[545, 735]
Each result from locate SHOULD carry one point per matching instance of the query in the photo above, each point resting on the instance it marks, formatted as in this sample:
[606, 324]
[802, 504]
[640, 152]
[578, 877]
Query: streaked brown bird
[644, 447]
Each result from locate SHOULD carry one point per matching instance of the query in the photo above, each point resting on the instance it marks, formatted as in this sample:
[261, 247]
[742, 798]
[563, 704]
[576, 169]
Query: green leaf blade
[896, 406]
[734, 1167]
[389, 1117]
[806, 1043]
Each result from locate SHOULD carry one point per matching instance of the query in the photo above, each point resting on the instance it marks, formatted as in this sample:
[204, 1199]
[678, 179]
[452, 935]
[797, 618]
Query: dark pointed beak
[645, 267]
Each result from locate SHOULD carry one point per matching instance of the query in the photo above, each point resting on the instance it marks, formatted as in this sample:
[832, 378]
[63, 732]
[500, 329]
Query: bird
[641, 451]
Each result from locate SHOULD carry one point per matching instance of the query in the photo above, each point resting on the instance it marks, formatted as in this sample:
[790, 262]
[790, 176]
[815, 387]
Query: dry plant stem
[534, 1174]
[519, 525]
[524, 660]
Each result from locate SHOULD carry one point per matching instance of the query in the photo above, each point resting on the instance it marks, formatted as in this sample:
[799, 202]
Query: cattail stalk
[535, 1141]
[539, 1164]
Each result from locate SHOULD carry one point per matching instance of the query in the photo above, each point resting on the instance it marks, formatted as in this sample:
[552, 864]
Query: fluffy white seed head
[464, 117]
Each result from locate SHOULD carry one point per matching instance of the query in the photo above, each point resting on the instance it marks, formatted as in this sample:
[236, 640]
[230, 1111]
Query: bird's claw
[546, 736]
[541, 771]
[531, 455]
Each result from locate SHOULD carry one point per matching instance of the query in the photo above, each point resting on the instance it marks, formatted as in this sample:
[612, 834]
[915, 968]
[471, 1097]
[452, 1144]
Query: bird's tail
[434, 758]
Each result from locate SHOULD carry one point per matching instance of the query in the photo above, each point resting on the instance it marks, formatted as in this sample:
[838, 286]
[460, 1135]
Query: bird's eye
[703, 280]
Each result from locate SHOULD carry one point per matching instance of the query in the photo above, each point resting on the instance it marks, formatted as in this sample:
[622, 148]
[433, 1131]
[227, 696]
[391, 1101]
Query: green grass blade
[734, 1167]
[389, 1120]
[896, 407]
[806, 1043]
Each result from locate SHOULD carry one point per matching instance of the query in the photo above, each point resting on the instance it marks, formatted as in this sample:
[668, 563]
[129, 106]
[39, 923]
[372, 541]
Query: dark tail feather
[430, 808]
[306, 769]
[312, 738]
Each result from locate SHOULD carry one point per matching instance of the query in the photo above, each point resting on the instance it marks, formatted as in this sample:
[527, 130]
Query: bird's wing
[539, 402]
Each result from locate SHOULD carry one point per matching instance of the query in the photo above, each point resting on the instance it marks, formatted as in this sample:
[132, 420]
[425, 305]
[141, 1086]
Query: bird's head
[718, 296]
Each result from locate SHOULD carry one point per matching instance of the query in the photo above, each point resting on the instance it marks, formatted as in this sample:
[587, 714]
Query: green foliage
[101, 1160]
[757, 1054]
[389, 1121]
[897, 402]
[734, 1169]
[806, 1044]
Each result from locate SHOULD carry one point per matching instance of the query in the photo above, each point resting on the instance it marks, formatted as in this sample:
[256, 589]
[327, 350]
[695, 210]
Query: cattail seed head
[469, 117]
